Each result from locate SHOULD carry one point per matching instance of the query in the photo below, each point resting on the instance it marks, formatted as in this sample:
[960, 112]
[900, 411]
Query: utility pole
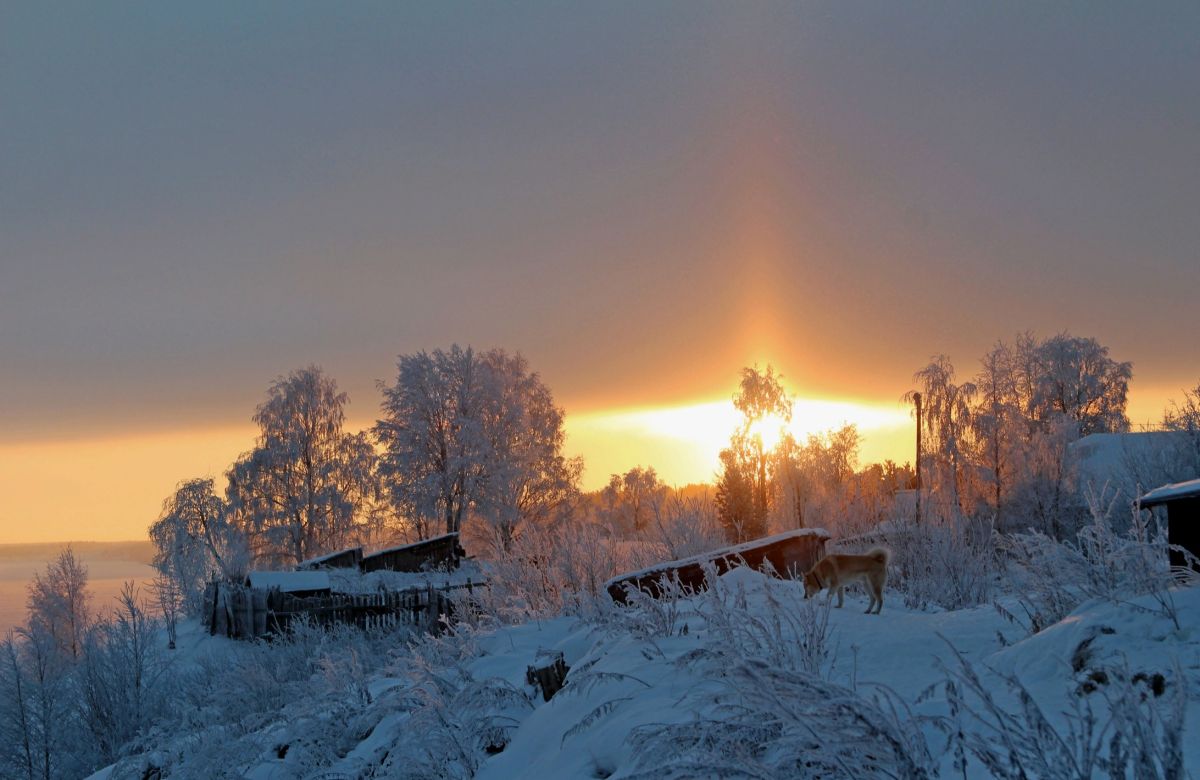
[917, 401]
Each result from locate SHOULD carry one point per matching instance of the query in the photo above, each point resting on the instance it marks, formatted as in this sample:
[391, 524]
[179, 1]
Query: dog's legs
[841, 595]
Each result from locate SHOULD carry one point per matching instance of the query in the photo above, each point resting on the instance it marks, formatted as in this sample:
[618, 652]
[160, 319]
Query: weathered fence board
[241, 612]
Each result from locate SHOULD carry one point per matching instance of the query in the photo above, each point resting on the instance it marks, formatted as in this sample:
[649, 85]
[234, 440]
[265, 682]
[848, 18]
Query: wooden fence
[241, 612]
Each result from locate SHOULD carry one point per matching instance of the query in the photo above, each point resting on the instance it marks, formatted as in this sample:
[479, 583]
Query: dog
[837, 570]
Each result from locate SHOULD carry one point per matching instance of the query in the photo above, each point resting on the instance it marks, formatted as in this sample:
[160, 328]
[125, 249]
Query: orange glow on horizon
[683, 443]
[110, 488]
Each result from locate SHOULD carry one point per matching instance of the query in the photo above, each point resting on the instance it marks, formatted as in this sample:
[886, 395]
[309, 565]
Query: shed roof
[722, 552]
[289, 581]
[1168, 493]
[312, 563]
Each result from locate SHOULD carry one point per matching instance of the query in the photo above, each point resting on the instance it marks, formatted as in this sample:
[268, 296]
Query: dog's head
[812, 585]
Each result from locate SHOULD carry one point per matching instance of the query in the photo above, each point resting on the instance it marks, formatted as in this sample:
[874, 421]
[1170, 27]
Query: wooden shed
[1182, 500]
[440, 552]
[342, 559]
[790, 554]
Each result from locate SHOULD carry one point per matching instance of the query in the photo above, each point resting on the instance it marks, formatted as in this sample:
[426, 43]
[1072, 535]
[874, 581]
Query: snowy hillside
[745, 680]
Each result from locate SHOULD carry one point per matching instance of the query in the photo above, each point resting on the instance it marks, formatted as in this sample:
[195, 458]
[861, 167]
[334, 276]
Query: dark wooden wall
[443, 552]
[1183, 528]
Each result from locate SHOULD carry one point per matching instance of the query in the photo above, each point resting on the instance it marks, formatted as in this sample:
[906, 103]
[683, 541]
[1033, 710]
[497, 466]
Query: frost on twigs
[1125, 728]
[1054, 577]
[767, 722]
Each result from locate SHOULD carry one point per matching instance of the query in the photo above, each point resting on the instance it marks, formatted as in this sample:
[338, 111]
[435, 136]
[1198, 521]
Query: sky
[641, 198]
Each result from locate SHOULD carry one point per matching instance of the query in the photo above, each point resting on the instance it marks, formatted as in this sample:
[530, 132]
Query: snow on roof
[1162, 495]
[289, 581]
[320, 559]
[353, 581]
[415, 544]
[721, 552]
[1121, 460]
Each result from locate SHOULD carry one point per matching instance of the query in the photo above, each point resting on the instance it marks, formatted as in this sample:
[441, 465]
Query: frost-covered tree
[1184, 418]
[629, 500]
[738, 508]
[793, 483]
[947, 421]
[194, 540]
[59, 603]
[762, 401]
[297, 493]
[526, 478]
[18, 742]
[997, 423]
[468, 433]
[816, 483]
[432, 466]
[170, 602]
[1076, 378]
[37, 716]
[120, 691]
[1034, 398]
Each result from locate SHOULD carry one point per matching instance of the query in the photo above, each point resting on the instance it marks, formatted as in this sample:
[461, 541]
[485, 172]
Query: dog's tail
[881, 554]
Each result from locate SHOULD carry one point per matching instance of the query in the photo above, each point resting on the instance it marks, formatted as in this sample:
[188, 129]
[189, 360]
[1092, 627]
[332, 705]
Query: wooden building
[1182, 501]
[789, 554]
[440, 552]
[342, 559]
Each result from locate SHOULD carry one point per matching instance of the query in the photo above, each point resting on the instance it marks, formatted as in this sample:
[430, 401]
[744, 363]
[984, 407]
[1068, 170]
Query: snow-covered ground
[747, 680]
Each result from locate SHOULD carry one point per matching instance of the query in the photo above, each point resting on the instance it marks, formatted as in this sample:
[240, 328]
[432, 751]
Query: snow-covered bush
[763, 706]
[951, 565]
[685, 526]
[299, 695]
[554, 569]
[659, 615]
[528, 577]
[786, 629]
[451, 720]
[769, 722]
[1051, 578]
[1136, 731]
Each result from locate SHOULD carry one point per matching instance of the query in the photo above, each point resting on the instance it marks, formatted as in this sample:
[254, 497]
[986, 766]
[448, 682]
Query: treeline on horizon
[138, 550]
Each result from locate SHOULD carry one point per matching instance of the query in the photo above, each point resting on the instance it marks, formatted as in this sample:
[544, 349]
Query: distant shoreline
[110, 565]
[141, 550]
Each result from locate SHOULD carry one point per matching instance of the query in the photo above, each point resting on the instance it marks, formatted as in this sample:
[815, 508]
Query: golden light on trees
[683, 442]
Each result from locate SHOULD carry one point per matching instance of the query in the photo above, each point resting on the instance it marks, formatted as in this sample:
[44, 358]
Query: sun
[770, 430]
